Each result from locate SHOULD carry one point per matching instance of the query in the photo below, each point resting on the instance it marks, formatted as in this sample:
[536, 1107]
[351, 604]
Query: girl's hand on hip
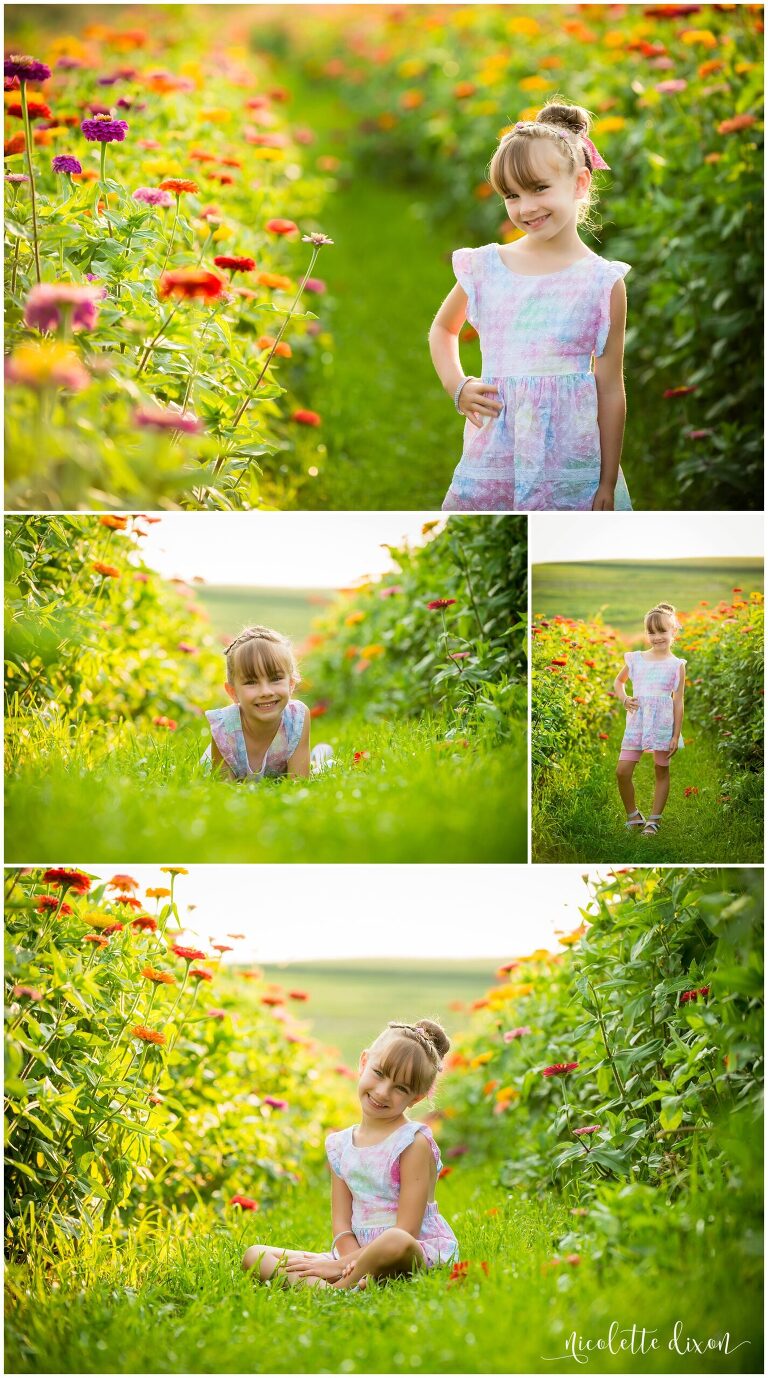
[308, 1267]
[478, 400]
[631, 704]
[603, 499]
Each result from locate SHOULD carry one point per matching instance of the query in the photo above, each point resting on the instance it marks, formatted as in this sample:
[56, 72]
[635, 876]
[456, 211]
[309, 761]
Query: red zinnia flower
[189, 282]
[178, 184]
[438, 603]
[189, 954]
[200, 974]
[689, 790]
[298, 995]
[444, 1172]
[272, 1000]
[38, 110]
[361, 756]
[245, 1203]
[559, 1069]
[169, 724]
[306, 418]
[130, 900]
[48, 903]
[736, 123]
[147, 1035]
[278, 226]
[145, 921]
[689, 995]
[679, 392]
[563, 661]
[603, 736]
[68, 880]
[235, 265]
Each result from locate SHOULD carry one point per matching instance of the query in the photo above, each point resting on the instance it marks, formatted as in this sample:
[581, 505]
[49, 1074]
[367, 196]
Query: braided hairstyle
[558, 125]
[260, 650]
[657, 619]
[412, 1053]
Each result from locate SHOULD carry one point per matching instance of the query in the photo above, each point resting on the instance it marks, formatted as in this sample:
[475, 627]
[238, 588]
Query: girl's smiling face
[384, 1093]
[262, 695]
[550, 202]
[660, 635]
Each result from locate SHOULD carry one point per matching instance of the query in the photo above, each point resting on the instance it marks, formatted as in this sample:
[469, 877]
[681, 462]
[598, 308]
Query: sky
[301, 913]
[279, 549]
[556, 537]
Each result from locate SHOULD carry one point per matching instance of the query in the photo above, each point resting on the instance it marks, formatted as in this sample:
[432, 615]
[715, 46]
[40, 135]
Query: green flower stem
[15, 265]
[608, 1052]
[181, 992]
[193, 370]
[239, 414]
[205, 246]
[173, 234]
[190, 1008]
[566, 1104]
[28, 143]
[152, 343]
[465, 571]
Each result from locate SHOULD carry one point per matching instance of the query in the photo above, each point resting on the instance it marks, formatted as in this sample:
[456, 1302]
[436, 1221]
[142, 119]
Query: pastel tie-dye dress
[654, 682]
[227, 733]
[372, 1174]
[537, 337]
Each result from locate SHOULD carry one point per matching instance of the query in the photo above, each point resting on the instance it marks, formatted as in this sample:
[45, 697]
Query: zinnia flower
[279, 226]
[588, 1129]
[679, 392]
[170, 725]
[235, 264]
[174, 870]
[316, 238]
[49, 364]
[103, 129]
[147, 1035]
[122, 881]
[559, 1069]
[27, 993]
[281, 348]
[168, 419]
[315, 285]
[222, 947]
[277, 281]
[37, 109]
[200, 974]
[64, 163]
[438, 603]
[245, 1203]
[107, 571]
[15, 178]
[48, 301]
[153, 196]
[47, 904]
[178, 184]
[306, 418]
[189, 954]
[190, 282]
[26, 68]
[512, 1034]
[145, 923]
[160, 978]
[96, 938]
[736, 123]
[276, 1103]
[157, 892]
[68, 880]
[114, 523]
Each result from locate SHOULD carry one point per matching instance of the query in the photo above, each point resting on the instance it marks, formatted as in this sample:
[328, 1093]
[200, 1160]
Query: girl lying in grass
[383, 1174]
[264, 731]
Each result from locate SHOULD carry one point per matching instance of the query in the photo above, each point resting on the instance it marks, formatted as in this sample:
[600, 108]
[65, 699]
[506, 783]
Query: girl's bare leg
[267, 1257]
[661, 792]
[624, 772]
[394, 1252]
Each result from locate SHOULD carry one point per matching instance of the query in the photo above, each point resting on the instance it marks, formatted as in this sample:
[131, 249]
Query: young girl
[543, 431]
[383, 1172]
[264, 731]
[654, 713]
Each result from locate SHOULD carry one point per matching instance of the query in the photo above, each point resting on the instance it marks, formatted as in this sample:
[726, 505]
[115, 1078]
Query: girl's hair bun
[436, 1035]
[574, 118]
[666, 607]
[656, 616]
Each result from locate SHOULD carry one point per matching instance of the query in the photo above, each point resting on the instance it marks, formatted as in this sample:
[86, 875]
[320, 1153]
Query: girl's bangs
[660, 622]
[520, 161]
[256, 658]
[403, 1060]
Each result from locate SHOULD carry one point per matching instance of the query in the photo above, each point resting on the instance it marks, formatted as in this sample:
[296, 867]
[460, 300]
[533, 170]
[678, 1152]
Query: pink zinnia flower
[512, 1034]
[47, 302]
[167, 419]
[153, 196]
[438, 603]
[588, 1129]
[559, 1069]
[276, 1103]
[315, 285]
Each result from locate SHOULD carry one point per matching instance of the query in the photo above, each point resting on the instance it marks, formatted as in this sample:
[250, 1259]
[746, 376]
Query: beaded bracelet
[458, 391]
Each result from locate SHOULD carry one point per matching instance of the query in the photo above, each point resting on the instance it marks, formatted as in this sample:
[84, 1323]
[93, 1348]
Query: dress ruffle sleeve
[614, 269]
[681, 664]
[405, 1139]
[293, 720]
[224, 723]
[333, 1149]
[463, 267]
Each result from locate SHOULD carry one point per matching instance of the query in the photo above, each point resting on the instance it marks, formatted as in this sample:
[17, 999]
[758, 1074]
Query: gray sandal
[635, 820]
[652, 825]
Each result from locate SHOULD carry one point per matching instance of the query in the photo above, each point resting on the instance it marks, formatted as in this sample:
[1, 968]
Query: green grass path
[392, 435]
[180, 1304]
[578, 815]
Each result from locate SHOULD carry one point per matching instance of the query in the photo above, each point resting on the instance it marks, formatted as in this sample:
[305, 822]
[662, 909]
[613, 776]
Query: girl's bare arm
[611, 400]
[299, 762]
[477, 399]
[624, 698]
[417, 1176]
[219, 765]
[678, 708]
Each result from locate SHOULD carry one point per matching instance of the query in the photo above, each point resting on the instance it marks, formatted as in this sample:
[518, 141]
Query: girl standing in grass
[543, 430]
[264, 732]
[383, 1173]
[654, 713]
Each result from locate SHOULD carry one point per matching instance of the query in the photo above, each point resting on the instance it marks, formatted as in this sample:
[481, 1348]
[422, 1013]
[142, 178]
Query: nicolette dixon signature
[637, 1339]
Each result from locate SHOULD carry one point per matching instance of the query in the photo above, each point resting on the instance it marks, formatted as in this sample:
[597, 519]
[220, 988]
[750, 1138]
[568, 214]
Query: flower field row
[573, 666]
[724, 646]
[447, 634]
[131, 1079]
[677, 94]
[625, 1069]
[156, 194]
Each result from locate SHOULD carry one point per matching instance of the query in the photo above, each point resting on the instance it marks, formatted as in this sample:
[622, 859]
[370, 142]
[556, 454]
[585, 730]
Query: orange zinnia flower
[189, 282]
[147, 1035]
[738, 122]
[306, 418]
[108, 571]
[189, 954]
[200, 974]
[121, 882]
[278, 226]
[114, 523]
[277, 281]
[178, 184]
[160, 978]
[283, 348]
[145, 921]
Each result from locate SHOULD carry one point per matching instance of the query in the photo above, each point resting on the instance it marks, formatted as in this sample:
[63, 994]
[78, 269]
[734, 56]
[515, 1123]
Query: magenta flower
[588, 1129]
[512, 1034]
[438, 603]
[16, 178]
[64, 163]
[276, 1103]
[315, 285]
[48, 301]
[559, 1069]
[167, 419]
[26, 68]
[103, 129]
[153, 196]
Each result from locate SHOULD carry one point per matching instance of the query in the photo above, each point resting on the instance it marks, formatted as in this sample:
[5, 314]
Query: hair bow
[597, 161]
